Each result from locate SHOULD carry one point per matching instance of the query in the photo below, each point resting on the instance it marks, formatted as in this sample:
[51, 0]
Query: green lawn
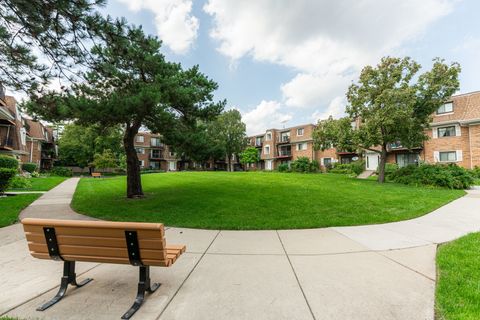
[257, 200]
[11, 207]
[43, 183]
[458, 286]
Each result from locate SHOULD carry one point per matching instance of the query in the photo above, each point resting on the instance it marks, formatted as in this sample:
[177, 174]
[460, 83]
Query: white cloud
[326, 42]
[306, 90]
[267, 114]
[175, 24]
[336, 109]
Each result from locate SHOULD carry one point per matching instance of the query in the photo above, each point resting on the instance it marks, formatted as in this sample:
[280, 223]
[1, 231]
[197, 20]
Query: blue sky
[290, 62]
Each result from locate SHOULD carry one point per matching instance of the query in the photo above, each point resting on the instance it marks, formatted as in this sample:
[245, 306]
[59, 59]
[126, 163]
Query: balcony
[398, 146]
[156, 156]
[258, 144]
[6, 143]
[157, 145]
[284, 153]
[283, 140]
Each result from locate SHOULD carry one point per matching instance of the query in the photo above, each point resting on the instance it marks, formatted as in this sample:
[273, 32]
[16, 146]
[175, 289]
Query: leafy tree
[391, 104]
[44, 39]
[105, 160]
[79, 144]
[130, 83]
[230, 134]
[196, 142]
[249, 156]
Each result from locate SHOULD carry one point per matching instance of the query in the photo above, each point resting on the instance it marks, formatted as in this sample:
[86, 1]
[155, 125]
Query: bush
[390, 169]
[19, 182]
[476, 172]
[8, 162]
[283, 168]
[352, 168]
[29, 167]
[61, 171]
[303, 164]
[6, 175]
[436, 175]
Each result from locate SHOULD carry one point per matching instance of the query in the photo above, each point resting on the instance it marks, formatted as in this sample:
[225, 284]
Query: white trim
[459, 155]
[435, 133]
[458, 130]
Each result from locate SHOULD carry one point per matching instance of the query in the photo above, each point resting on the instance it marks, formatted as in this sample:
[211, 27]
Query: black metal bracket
[133, 248]
[144, 285]
[69, 277]
[52, 244]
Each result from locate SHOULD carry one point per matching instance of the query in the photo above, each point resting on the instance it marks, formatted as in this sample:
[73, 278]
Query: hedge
[6, 175]
[29, 166]
[8, 162]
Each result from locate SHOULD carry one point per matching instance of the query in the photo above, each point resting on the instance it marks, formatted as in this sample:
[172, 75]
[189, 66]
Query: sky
[285, 63]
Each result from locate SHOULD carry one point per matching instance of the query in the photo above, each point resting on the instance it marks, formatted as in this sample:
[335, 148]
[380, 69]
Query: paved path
[368, 272]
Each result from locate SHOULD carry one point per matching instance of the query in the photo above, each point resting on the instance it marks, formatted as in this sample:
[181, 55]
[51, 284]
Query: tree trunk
[383, 162]
[229, 161]
[134, 182]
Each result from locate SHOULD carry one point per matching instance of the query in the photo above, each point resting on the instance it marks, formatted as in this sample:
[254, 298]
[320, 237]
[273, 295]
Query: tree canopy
[230, 134]
[130, 83]
[391, 103]
[41, 40]
[79, 144]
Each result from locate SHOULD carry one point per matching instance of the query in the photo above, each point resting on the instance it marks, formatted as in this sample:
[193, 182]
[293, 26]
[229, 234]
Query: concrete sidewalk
[367, 272]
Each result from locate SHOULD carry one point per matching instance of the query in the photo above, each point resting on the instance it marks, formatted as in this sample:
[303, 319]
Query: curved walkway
[366, 272]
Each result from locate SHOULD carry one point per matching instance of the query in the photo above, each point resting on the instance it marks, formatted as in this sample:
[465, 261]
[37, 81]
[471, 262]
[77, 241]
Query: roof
[466, 109]
[283, 129]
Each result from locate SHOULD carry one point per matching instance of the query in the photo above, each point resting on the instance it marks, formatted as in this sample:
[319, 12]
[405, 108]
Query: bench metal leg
[143, 285]
[69, 277]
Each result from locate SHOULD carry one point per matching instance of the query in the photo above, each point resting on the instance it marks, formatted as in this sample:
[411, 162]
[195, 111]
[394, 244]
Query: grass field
[458, 286]
[43, 183]
[257, 200]
[11, 207]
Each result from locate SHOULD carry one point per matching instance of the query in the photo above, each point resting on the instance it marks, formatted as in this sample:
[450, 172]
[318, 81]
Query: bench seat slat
[96, 241]
[96, 232]
[99, 251]
[71, 257]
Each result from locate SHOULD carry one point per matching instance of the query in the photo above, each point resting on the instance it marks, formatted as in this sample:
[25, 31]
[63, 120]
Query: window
[446, 108]
[327, 161]
[285, 137]
[155, 142]
[155, 154]
[154, 165]
[140, 150]
[268, 136]
[353, 124]
[446, 132]
[141, 163]
[301, 146]
[266, 150]
[300, 132]
[140, 139]
[258, 141]
[448, 156]
[404, 159]
[172, 154]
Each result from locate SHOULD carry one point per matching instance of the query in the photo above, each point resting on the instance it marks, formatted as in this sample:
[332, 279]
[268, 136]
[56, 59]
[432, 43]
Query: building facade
[22, 138]
[154, 154]
[454, 137]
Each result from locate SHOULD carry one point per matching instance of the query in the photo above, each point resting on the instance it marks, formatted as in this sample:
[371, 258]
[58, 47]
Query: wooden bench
[137, 244]
[96, 175]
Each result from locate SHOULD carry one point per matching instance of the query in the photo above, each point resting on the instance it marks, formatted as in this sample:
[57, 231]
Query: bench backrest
[96, 174]
[97, 241]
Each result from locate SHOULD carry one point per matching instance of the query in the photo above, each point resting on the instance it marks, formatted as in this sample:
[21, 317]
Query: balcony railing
[157, 145]
[6, 142]
[258, 143]
[284, 153]
[156, 156]
[284, 139]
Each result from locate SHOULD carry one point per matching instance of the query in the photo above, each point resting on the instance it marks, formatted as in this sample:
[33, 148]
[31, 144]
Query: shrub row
[302, 164]
[61, 171]
[435, 175]
[353, 168]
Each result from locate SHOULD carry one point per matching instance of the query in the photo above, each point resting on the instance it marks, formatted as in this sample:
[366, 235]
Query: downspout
[31, 150]
[470, 146]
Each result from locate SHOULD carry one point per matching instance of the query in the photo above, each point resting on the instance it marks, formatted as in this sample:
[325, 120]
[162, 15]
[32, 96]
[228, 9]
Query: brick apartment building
[154, 154]
[22, 138]
[454, 137]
